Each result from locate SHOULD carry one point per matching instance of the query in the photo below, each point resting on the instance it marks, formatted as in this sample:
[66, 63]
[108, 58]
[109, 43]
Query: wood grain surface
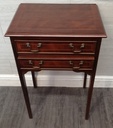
[57, 20]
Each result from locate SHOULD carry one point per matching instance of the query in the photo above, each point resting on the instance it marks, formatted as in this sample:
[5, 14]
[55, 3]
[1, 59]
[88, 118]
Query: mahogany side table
[56, 37]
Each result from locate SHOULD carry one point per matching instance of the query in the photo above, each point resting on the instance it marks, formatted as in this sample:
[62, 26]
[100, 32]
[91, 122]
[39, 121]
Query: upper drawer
[79, 47]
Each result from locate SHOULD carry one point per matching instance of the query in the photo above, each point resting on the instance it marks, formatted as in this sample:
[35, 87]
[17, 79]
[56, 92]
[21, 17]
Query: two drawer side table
[56, 37]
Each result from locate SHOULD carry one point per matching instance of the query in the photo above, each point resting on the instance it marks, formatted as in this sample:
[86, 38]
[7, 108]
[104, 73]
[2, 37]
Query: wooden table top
[56, 20]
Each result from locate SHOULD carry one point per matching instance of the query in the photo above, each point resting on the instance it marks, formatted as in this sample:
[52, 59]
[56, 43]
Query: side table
[56, 37]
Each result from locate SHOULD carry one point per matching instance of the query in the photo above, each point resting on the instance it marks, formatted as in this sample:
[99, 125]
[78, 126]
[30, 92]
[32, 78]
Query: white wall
[7, 10]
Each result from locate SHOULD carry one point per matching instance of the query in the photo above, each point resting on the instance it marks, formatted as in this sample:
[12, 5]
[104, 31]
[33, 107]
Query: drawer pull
[70, 62]
[71, 45]
[80, 63]
[77, 51]
[38, 67]
[30, 62]
[82, 45]
[28, 45]
[75, 68]
[39, 45]
[41, 62]
[35, 51]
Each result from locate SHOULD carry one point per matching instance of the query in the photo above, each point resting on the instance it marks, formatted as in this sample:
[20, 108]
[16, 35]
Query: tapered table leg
[25, 92]
[85, 80]
[34, 79]
[89, 96]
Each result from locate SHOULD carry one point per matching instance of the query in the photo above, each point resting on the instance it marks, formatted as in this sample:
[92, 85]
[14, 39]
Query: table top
[56, 20]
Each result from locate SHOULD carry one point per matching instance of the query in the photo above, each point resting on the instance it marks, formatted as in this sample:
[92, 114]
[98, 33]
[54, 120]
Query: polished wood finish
[32, 20]
[56, 37]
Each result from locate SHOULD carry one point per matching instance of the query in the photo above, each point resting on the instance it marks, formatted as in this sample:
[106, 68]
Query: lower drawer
[56, 64]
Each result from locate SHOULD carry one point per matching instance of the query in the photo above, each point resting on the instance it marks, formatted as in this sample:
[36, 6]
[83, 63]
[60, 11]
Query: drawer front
[51, 64]
[40, 47]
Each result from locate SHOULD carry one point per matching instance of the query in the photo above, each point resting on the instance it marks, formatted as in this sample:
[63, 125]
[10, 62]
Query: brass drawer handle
[70, 62]
[76, 68]
[71, 45]
[30, 62]
[36, 68]
[39, 45]
[41, 62]
[39, 66]
[37, 50]
[80, 63]
[77, 51]
[28, 45]
[34, 51]
[82, 45]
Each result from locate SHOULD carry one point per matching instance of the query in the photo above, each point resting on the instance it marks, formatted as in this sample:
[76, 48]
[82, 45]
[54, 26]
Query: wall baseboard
[57, 81]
